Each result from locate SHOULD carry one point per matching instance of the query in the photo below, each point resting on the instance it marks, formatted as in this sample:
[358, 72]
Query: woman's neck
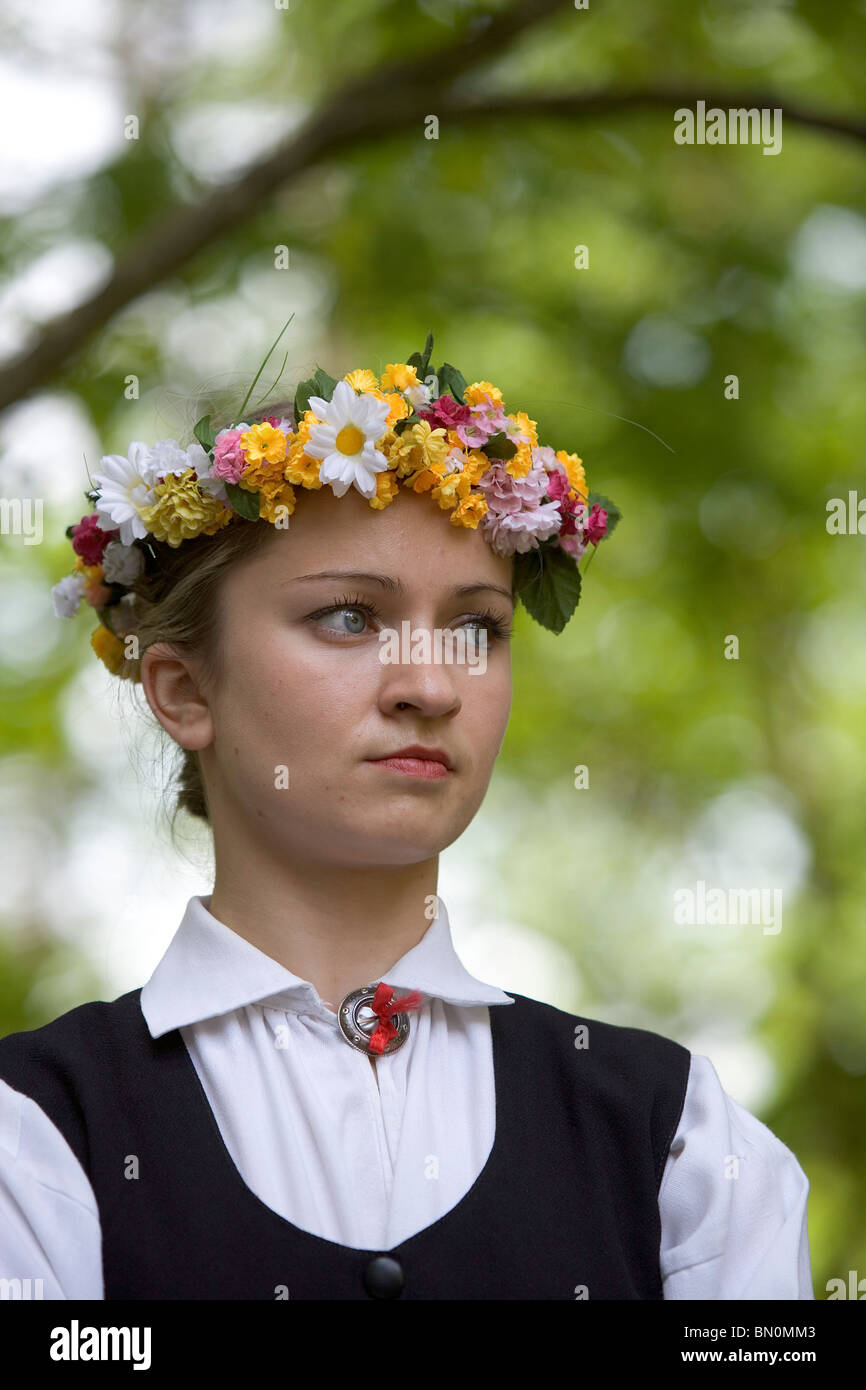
[338, 927]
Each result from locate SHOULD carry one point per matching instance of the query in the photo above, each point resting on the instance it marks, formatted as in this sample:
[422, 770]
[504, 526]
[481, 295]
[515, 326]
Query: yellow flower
[475, 463]
[181, 511]
[419, 447]
[92, 574]
[300, 469]
[481, 391]
[521, 462]
[423, 480]
[108, 648]
[470, 511]
[454, 488]
[270, 502]
[265, 478]
[574, 468]
[398, 377]
[526, 426]
[385, 444]
[387, 488]
[263, 443]
[400, 408]
[362, 379]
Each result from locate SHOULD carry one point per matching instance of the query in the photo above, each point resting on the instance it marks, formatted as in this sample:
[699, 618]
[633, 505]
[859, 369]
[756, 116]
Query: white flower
[121, 564]
[166, 456]
[418, 396]
[126, 486]
[67, 595]
[345, 439]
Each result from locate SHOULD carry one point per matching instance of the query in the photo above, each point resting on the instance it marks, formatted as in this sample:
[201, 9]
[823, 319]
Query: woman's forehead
[409, 542]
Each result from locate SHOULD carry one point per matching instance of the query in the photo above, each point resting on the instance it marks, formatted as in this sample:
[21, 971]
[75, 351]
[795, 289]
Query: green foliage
[703, 262]
[547, 582]
[320, 384]
[243, 501]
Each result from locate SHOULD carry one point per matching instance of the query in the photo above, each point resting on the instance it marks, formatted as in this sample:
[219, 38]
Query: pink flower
[486, 419]
[572, 544]
[89, 540]
[229, 459]
[507, 532]
[446, 413]
[97, 595]
[596, 527]
[517, 517]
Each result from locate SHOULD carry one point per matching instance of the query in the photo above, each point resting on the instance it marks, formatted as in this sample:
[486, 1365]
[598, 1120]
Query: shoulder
[733, 1200]
[614, 1044]
[60, 1066]
[715, 1127]
[83, 1028]
[33, 1151]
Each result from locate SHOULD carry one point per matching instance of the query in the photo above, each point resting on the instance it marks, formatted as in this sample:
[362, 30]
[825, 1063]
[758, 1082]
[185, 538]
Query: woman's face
[302, 686]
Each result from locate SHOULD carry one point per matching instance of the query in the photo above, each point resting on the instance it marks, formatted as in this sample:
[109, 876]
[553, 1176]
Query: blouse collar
[208, 970]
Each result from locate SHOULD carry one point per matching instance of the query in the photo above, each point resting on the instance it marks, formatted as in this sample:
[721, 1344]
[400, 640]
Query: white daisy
[345, 439]
[125, 484]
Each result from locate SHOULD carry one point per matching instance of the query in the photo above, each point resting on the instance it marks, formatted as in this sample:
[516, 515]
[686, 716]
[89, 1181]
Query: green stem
[273, 384]
[262, 367]
[589, 561]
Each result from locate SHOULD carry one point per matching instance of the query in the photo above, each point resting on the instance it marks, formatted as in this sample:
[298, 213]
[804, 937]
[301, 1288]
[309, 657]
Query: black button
[383, 1277]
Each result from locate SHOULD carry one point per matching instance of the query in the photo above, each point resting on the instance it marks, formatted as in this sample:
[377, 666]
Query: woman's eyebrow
[394, 586]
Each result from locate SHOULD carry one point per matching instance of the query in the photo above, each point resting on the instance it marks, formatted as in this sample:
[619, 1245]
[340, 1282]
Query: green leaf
[499, 446]
[319, 385]
[244, 503]
[613, 511]
[421, 361]
[451, 380]
[547, 583]
[407, 420]
[204, 434]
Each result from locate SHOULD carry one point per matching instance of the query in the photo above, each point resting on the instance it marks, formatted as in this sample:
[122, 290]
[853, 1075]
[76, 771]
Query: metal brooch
[358, 1023]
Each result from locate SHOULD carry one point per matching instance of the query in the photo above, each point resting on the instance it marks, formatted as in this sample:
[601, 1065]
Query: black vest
[565, 1207]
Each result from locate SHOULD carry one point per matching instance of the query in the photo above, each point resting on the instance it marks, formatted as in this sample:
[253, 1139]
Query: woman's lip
[415, 767]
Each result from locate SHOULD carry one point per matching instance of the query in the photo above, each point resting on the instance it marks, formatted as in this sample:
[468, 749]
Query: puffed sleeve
[732, 1202]
[49, 1219]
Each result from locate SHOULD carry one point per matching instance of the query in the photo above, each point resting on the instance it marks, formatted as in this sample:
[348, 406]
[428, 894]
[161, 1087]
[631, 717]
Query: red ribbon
[384, 1005]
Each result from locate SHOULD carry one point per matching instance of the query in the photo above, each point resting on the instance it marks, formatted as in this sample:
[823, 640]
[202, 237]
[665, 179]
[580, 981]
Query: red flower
[446, 413]
[596, 527]
[89, 540]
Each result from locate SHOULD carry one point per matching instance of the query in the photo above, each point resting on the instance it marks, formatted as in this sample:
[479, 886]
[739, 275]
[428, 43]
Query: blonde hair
[176, 600]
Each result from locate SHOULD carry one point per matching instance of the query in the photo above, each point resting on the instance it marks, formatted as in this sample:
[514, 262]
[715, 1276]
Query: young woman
[311, 1097]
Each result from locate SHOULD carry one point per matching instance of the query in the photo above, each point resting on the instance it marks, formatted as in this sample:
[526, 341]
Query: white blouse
[341, 1149]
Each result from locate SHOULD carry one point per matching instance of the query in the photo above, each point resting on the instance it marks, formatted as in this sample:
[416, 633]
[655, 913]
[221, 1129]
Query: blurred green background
[703, 262]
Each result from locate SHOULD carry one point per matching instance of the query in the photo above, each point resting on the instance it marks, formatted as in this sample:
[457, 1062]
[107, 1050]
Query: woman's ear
[170, 682]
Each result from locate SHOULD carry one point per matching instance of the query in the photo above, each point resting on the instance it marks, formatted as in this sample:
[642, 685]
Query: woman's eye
[351, 621]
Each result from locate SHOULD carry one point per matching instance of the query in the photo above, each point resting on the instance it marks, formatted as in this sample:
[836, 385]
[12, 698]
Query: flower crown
[428, 431]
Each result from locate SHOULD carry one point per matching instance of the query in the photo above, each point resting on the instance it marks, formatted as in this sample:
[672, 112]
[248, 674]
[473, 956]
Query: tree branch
[389, 100]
